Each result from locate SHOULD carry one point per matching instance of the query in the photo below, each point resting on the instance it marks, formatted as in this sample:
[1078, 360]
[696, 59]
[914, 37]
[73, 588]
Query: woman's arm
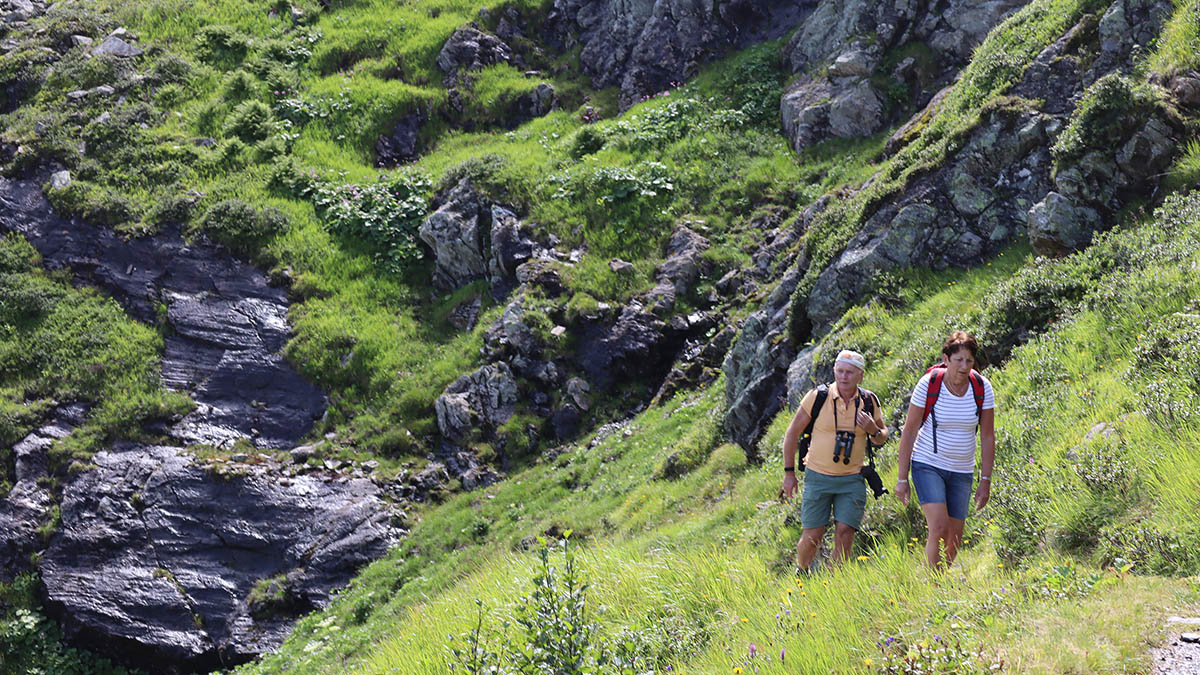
[987, 456]
[908, 438]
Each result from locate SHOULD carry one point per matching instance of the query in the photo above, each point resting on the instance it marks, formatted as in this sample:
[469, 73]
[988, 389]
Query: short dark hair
[960, 339]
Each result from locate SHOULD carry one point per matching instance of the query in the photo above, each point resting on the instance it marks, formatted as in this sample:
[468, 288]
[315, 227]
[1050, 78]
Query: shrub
[1110, 108]
[221, 46]
[171, 69]
[250, 121]
[17, 254]
[623, 206]
[170, 95]
[586, 141]
[240, 226]
[240, 86]
[386, 214]
[557, 634]
[91, 202]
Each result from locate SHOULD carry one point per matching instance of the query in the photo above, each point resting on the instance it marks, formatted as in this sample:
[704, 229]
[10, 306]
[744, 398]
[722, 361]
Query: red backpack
[938, 371]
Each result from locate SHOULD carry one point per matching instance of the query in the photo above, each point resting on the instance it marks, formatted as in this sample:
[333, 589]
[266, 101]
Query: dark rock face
[400, 146]
[156, 558]
[27, 506]
[631, 347]
[486, 398]
[756, 367]
[679, 271]
[229, 325]
[643, 46]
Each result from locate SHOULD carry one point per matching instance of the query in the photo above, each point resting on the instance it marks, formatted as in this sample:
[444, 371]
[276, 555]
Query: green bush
[221, 46]
[386, 214]
[1110, 109]
[91, 202]
[31, 643]
[240, 226]
[250, 121]
[171, 68]
[240, 86]
[623, 206]
[17, 254]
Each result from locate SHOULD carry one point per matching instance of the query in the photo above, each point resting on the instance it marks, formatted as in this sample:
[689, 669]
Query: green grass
[1178, 46]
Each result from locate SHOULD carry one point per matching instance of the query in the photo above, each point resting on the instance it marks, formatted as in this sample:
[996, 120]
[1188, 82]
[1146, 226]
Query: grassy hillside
[696, 569]
[683, 553]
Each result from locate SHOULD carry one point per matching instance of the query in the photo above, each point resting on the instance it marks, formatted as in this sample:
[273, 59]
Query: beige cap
[852, 358]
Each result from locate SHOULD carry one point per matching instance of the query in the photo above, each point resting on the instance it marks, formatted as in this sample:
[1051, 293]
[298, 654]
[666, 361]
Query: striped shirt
[957, 424]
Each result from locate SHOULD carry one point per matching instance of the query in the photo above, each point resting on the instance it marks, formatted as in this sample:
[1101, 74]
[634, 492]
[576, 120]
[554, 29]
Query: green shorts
[846, 496]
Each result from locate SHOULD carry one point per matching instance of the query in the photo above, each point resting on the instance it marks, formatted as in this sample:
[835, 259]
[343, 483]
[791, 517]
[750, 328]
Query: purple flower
[782, 654]
[753, 650]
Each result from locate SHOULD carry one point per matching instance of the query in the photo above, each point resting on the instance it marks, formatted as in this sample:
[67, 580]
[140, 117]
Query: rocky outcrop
[159, 561]
[471, 49]
[228, 325]
[679, 272]
[27, 507]
[482, 400]
[850, 38]
[967, 210]
[756, 365]
[645, 45]
[456, 233]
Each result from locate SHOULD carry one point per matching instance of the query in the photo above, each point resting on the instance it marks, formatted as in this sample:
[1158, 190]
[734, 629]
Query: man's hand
[789, 486]
[867, 422]
[902, 492]
[982, 493]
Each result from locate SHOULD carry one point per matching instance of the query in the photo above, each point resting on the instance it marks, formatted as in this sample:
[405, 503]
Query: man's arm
[790, 438]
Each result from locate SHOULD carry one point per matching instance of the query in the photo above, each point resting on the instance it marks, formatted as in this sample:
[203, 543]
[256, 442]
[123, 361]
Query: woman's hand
[902, 491]
[789, 486]
[865, 421]
[982, 493]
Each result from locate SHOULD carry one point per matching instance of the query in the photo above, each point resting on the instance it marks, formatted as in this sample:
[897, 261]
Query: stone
[455, 233]
[854, 63]
[156, 556]
[81, 41]
[1058, 226]
[756, 367]
[645, 46]
[511, 247]
[465, 314]
[115, 46]
[303, 453]
[471, 49]
[484, 399]
[578, 390]
[856, 111]
[800, 376]
[1192, 638]
[620, 266]
[1186, 89]
[400, 146]
[60, 179]
[565, 421]
[635, 345]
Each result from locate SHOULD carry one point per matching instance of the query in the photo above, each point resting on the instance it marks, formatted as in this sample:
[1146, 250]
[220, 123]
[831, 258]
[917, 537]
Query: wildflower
[753, 650]
[737, 669]
[789, 591]
[864, 557]
[812, 615]
[923, 644]
[782, 653]
[868, 662]
[745, 620]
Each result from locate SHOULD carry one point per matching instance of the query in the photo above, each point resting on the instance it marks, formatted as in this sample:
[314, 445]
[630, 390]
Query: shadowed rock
[156, 557]
[229, 325]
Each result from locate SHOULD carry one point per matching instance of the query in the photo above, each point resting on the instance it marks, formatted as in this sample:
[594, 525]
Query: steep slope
[546, 266]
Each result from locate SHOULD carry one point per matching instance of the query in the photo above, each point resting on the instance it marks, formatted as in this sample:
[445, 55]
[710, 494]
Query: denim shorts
[939, 486]
[846, 496]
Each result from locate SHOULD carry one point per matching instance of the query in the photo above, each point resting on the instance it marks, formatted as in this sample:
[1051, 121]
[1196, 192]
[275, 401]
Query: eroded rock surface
[229, 325]
[643, 46]
[156, 557]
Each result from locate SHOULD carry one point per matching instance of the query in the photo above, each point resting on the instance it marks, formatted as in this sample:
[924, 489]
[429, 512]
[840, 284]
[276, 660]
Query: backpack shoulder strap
[818, 404]
[977, 389]
[934, 390]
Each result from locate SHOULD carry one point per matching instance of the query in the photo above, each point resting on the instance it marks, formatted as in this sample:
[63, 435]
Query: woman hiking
[950, 402]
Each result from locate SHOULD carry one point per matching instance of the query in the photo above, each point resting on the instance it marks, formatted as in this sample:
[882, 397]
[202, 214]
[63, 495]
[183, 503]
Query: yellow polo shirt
[820, 449]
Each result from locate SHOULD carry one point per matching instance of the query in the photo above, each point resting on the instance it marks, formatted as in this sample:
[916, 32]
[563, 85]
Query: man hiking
[842, 417]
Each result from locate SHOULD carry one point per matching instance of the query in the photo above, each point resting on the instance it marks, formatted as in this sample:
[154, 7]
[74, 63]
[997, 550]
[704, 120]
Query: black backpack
[868, 471]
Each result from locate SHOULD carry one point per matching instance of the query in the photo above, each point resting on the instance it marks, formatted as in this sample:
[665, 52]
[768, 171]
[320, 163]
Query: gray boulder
[471, 49]
[679, 271]
[800, 376]
[1058, 226]
[156, 557]
[813, 110]
[115, 46]
[228, 324]
[482, 400]
[456, 233]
